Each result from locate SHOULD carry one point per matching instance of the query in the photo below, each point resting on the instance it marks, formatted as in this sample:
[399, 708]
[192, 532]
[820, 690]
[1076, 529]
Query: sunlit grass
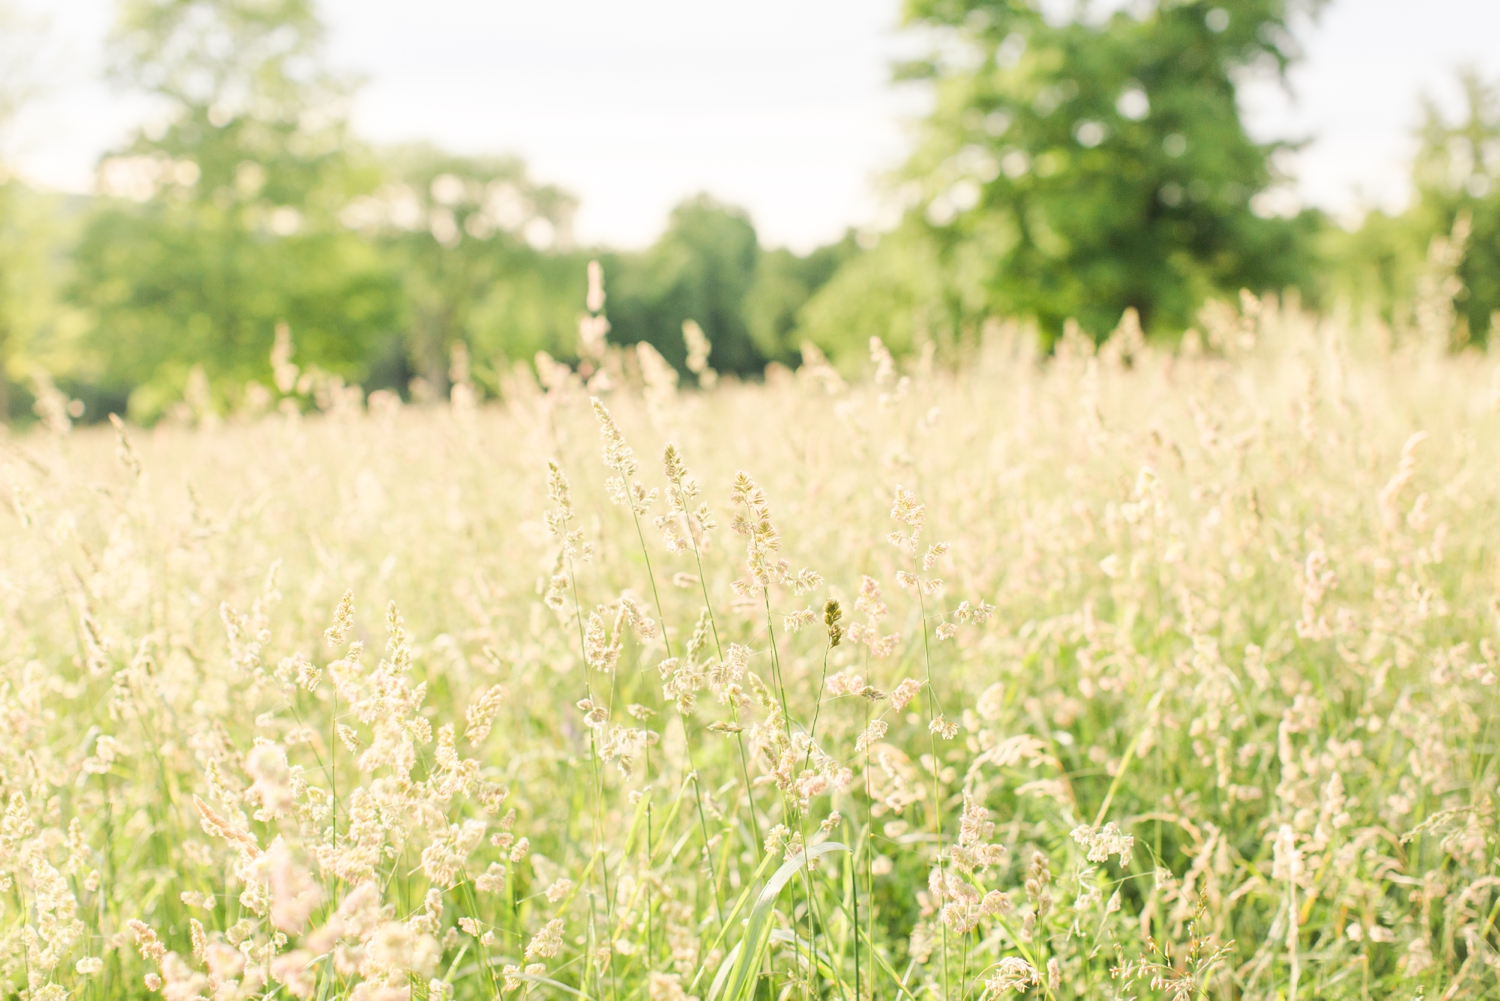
[1132, 674]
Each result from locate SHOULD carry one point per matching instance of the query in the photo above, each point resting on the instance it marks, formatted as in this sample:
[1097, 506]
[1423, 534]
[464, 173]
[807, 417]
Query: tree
[701, 269]
[483, 252]
[17, 85]
[1387, 265]
[1457, 174]
[783, 284]
[225, 221]
[1073, 169]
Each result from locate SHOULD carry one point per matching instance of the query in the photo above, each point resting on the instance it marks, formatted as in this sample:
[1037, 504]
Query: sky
[781, 106]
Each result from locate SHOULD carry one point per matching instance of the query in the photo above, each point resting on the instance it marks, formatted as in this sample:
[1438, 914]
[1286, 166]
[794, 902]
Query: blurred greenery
[1069, 170]
[1073, 170]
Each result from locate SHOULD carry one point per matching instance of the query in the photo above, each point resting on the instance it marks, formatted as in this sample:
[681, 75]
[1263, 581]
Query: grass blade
[757, 930]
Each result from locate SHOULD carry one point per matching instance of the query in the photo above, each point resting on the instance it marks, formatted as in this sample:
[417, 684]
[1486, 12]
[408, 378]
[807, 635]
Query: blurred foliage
[471, 238]
[701, 269]
[1381, 265]
[250, 205]
[1070, 168]
[225, 220]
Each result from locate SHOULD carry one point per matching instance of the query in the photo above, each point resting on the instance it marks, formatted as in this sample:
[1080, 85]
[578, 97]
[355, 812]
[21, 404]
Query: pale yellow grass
[1227, 732]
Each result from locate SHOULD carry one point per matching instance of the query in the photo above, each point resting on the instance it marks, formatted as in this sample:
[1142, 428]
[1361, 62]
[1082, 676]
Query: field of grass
[1135, 674]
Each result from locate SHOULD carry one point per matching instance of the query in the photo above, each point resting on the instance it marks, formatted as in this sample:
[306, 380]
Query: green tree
[1380, 267]
[700, 269]
[1072, 169]
[1457, 174]
[484, 254]
[226, 220]
[783, 284]
[18, 38]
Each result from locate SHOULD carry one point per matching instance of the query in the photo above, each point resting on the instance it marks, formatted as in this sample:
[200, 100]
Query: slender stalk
[666, 639]
[734, 712]
[933, 712]
[787, 808]
[598, 786]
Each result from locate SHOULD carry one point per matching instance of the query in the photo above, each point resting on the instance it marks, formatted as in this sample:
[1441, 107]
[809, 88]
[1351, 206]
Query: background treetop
[1069, 169]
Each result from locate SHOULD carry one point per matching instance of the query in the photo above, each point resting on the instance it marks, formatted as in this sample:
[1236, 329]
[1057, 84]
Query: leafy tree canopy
[223, 219]
[1074, 168]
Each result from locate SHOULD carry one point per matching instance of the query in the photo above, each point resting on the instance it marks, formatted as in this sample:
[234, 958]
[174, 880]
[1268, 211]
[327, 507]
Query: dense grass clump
[1114, 674]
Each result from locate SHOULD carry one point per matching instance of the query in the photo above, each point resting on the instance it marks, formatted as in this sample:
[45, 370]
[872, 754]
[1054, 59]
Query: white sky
[781, 106]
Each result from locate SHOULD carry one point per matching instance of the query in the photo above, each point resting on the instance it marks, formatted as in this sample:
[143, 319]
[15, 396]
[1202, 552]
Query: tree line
[1069, 170]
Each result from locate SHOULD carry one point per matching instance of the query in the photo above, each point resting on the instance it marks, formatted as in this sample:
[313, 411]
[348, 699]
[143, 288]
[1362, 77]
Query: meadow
[1128, 673]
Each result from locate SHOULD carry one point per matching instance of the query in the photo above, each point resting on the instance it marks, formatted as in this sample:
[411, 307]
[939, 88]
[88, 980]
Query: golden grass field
[1152, 675]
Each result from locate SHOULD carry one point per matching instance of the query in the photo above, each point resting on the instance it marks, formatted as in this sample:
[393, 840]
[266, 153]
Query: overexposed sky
[782, 106]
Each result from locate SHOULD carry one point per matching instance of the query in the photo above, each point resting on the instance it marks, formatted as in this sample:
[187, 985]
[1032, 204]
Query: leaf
[550, 983]
[723, 974]
[758, 929]
[734, 912]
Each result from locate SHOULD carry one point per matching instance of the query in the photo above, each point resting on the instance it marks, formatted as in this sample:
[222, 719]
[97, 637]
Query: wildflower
[218, 826]
[308, 673]
[600, 649]
[991, 702]
[805, 581]
[832, 613]
[151, 948]
[444, 858]
[698, 350]
[511, 981]
[795, 621]
[199, 938]
[595, 300]
[492, 880]
[343, 620]
[546, 943]
[906, 510]
[940, 726]
[266, 764]
[904, 693]
[617, 455]
[994, 904]
[1287, 857]
[1012, 974]
[871, 734]
[666, 987]
[595, 716]
[1418, 958]
[294, 894]
[294, 969]
[482, 712]
[1103, 842]
[978, 613]
[106, 750]
[869, 599]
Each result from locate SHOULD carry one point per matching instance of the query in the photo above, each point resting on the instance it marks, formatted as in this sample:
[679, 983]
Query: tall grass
[1115, 674]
